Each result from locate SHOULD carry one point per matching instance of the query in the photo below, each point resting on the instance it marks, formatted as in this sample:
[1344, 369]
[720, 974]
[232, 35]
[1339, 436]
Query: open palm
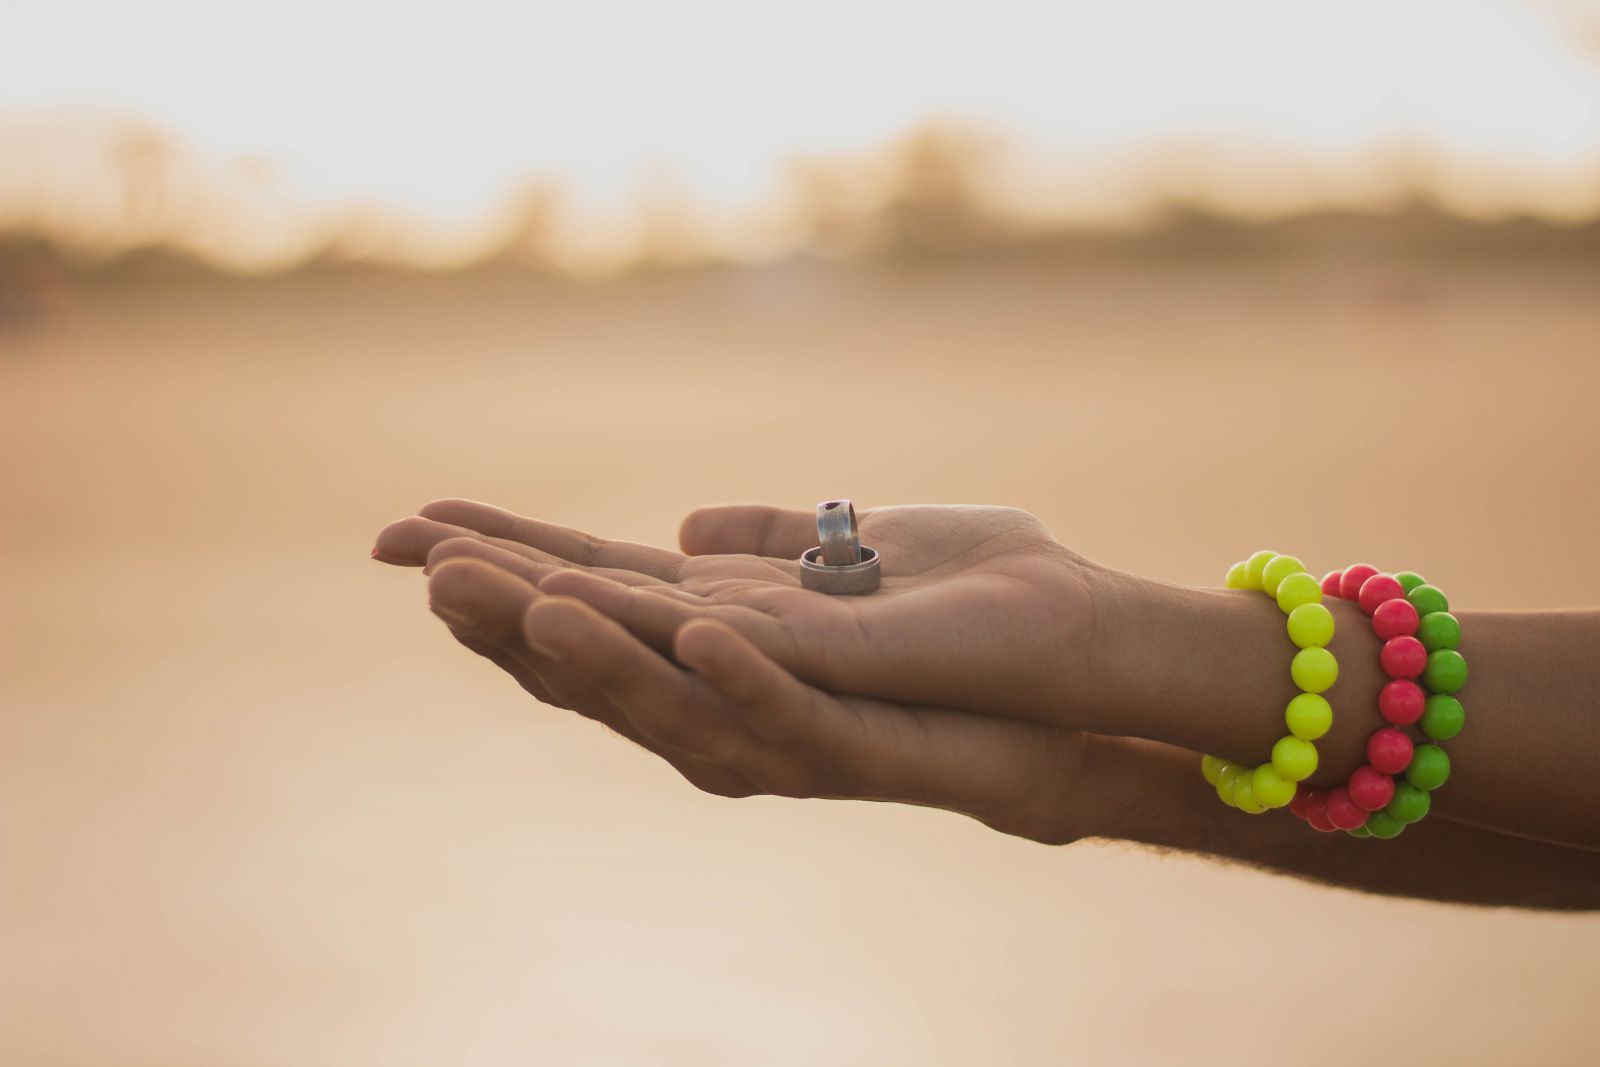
[980, 608]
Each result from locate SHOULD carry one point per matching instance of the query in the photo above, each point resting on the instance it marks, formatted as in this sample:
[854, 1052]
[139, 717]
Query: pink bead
[1389, 751]
[1318, 818]
[1342, 813]
[1302, 796]
[1403, 657]
[1377, 589]
[1370, 789]
[1330, 583]
[1401, 702]
[1393, 618]
[1354, 577]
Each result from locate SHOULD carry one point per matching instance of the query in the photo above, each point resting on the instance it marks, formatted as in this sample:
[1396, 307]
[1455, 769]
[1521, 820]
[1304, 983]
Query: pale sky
[438, 107]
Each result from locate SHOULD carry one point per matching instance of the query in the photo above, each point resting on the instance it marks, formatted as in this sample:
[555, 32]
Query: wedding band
[850, 579]
[838, 533]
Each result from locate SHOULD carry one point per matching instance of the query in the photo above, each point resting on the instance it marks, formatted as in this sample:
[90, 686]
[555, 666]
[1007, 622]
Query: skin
[1000, 675]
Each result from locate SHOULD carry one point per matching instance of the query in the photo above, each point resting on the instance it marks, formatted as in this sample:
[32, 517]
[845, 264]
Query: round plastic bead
[1314, 669]
[1429, 768]
[1237, 575]
[1439, 630]
[1403, 657]
[1210, 767]
[1297, 806]
[1297, 590]
[1277, 569]
[1360, 831]
[1294, 759]
[1244, 796]
[1255, 565]
[1227, 778]
[1310, 625]
[1409, 580]
[1271, 788]
[1394, 618]
[1308, 716]
[1382, 825]
[1318, 818]
[1443, 717]
[1401, 702]
[1428, 599]
[1342, 813]
[1390, 751]
[1376, 590]
[1330, 583]
[1370, 789]
[1354, 576]
[1409, 803]
[1446, 671]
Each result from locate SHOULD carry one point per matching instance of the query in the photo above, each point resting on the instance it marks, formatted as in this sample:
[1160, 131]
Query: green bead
[1443, 717]
[1293, 759]
[1428, 599]
[1409, 580]
[1360, 831]
[1308, 716]
[1210, 767]
[1310, 625]
[1382, 825]
[1238, 576]
[1244, 796]
[1255, 565]
[1314, 669]
[1439, 630]
[1276, 570]
[1409, 803]
[1227, 777]
[1298, 590]
[1429, 767]
[1446, 671]
[1271, 788]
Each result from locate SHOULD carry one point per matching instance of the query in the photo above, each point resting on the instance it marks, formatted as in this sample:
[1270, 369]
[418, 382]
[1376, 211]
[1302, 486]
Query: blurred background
[1181, 278]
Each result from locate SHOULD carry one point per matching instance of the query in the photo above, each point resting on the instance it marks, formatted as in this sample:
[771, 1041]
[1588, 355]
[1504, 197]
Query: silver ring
[837, 533]
[850, 579]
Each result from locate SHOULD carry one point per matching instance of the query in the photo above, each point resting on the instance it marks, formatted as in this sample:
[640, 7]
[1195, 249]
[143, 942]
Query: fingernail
[543, 650]
[453, 619]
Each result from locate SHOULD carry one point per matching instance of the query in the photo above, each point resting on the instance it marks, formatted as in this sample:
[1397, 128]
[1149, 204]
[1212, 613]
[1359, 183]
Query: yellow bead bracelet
[1314, 670]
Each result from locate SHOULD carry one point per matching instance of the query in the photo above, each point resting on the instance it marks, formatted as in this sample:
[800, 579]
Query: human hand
[734, 723]
[980, 608]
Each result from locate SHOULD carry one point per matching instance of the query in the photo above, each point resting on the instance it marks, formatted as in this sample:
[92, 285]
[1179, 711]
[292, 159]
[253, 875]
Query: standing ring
[841, 564]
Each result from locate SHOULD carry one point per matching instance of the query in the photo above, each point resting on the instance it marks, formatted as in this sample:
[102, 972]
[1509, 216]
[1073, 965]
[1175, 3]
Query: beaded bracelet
[1294, 758]
[1420, 639]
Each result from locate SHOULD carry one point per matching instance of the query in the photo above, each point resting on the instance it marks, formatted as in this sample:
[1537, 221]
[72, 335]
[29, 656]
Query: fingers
[520, 563]
[485, 607]
[574, 546]
[752, 529]
[665, 704]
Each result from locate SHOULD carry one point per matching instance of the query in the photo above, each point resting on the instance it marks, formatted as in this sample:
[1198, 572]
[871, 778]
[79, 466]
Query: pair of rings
[841, 564]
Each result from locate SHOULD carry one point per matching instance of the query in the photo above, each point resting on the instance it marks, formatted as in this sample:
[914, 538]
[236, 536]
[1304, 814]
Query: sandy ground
[257, 809]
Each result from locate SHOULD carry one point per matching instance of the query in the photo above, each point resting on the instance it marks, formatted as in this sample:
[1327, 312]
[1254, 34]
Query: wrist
[1207, 670]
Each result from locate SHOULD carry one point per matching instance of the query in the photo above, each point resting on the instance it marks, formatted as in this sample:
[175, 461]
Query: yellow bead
[1244, 796]
[1276, 570]
[1308, 716]
[1294, 760]
[1271, 788]
[1254, 566]
[1297, 590]
[1227, 778]
[1238, 576]
[1310, 625]
[1210, 767]
[1314, 669]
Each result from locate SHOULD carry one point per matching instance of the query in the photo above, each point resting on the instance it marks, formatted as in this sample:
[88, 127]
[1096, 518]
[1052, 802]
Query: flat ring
[837, 533]
[849, 580]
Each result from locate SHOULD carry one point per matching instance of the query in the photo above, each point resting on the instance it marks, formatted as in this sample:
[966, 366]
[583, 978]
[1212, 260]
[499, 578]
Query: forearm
[1207, 670]
[1151, 794]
